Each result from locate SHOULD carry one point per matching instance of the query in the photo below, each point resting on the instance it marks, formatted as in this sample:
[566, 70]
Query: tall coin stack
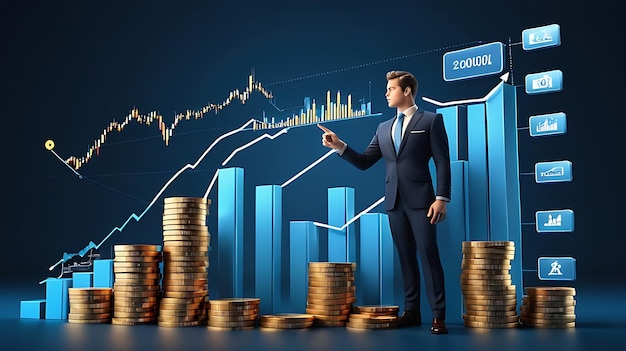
[373, 317]
[136, 286]
[331, 292]
[548, 307]
[90, 305]
[186, 242]
[233, 313]
[490, 298]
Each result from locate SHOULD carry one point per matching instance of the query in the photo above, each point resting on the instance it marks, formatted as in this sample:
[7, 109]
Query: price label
[477, 61]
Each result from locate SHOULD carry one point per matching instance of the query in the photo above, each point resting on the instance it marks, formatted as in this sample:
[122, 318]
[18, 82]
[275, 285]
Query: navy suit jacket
[408, 172]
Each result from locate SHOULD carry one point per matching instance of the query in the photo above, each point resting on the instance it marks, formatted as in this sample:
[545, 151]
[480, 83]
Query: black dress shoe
[410, 319]
[439, 327]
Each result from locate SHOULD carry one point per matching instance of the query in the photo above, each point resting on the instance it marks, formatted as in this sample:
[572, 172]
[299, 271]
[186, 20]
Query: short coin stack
[490, 298]
[373, 317]
[233, 313]
[186, 242]
[136, 287]
[90, 305]
[548, 307]
[286, 321]
[331, 292]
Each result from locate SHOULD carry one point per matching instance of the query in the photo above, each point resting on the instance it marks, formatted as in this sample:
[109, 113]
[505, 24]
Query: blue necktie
[397, 132]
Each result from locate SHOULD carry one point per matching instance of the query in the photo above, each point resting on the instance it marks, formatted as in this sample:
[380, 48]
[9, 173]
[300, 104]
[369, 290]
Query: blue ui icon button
[554, 221]
[550, 124]
[544, 82]
[556, 268]
[554, 171]
[541, 37]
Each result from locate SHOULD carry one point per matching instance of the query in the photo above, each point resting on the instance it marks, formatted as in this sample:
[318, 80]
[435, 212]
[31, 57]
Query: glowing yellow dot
[49, 144]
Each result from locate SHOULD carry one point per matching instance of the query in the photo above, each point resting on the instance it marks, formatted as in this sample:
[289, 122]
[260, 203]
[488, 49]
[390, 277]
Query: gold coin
[286, 325]
[470, 309]
[322, 313]
[509, 313]
[549, 298]
[136, 247]
[332, 264]
[331, 289]
[490, 302]
[71, 319]
[226, 324]
[488, 255]
[551, 291]
[531, 324]
[224, 313]
[328, 323]
[90, 299]
[327, 270]
[132, 321]
[178, 324]
[175, 199]
[287, 317]
[135, 294]
[184, 216]
[489, 325]
[89, 315]
[236, 301]
[89, 291]
[542, 303]
[537, 309]
[488, 243]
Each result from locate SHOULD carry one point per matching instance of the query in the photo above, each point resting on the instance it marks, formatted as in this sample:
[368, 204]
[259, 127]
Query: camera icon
[543, 82]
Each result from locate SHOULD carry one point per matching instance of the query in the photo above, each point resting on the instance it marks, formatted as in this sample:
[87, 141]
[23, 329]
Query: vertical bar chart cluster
[55, 305]
[489, 174]
[312, 113]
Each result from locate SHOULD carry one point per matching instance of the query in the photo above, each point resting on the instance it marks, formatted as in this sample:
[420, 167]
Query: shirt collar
[409, 112]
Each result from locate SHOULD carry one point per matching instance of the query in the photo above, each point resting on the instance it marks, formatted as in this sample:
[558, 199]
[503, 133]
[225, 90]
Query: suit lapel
[412, 123]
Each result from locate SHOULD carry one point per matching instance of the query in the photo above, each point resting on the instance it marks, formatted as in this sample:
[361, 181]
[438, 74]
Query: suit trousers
[414, 237]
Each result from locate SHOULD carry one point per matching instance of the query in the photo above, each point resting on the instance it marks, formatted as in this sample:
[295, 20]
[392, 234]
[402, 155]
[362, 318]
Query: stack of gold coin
[186, 242]
[136, 285]
[331, 292]
[490, 298]
[233, 313]
[90, 305]
[373, 317]
[548, 307]
[286, 321]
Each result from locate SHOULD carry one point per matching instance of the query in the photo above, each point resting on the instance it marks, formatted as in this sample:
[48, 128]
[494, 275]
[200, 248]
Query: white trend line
[307, 168]
[65, 163]
[503, 78]
[241, 148]
[187, 166]
[208, 190]
[323, 225]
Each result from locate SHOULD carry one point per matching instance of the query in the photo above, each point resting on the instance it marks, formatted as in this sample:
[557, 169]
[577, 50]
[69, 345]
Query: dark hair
[405, 79]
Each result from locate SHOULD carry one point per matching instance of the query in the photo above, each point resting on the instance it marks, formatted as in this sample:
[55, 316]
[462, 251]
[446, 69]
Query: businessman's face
[395, 96]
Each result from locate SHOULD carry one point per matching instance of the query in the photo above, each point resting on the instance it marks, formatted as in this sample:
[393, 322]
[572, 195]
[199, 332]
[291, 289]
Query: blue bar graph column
[341, 244]
[380, 278]
[103, 273]
[57, 297]
[503, 170]
[268, 230]
[229, 270]
[82, 279]
[478, 202]
[303, 248]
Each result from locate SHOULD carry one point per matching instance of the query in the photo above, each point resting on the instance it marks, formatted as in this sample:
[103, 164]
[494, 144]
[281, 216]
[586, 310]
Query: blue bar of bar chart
[229, 271]
[57, 297]
[103, 273]
[303, 248]
[380, 279]
[268, 247]
[82, 279]
[33, 309]
[478, 203]
[503, 173]
[341, 244]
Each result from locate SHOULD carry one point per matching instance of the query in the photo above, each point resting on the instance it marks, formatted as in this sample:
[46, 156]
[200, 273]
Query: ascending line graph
[137, 217]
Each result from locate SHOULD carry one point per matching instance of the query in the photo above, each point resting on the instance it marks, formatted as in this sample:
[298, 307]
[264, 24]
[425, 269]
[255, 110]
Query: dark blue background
[68, 68]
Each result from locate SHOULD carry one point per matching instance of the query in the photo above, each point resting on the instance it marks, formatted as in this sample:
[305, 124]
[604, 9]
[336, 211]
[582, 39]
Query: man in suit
[407, 142]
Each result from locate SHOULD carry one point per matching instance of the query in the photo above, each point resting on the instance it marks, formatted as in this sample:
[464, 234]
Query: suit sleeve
[441, 156]
[364, 160]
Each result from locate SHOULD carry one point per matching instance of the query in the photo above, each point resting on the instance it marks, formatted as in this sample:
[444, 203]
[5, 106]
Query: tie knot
[400, 116]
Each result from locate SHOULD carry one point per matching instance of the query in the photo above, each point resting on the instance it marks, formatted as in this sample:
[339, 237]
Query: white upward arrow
[503, 79]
